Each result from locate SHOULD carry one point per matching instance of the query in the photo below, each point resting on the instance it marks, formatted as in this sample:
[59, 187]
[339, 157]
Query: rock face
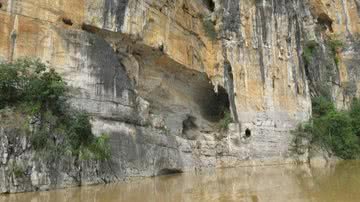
[159, 75]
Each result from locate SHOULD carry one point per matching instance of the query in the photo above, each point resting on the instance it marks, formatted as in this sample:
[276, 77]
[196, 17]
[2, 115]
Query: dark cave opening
[89, 28]
[210, 4]
[189, 124]
[214, 105]
[177, 91]
[67, 21]
[247, 133]
[1, 5]
[326, 21]
[169, 171]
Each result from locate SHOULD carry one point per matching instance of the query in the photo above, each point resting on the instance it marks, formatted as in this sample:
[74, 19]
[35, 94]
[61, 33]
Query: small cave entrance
[89, 28]
[67, 21]
[181, 92]
[210, 4]
[189, 124]
[326, 21]
[214, 106]
[1, 5]
[188, 128]
[169, 171]
[247, 133]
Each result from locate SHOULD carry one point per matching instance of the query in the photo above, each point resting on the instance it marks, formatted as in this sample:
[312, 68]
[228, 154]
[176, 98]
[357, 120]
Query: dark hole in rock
[273, 82]
[210, 4]
[89, 28]
[1, 5]
[161, 48]
[189, 124]
[214, 105]
[247, 133]
[169, 171]
[188, 128]
[185, 7]
[67, 21]
[325, 20]
[177, 91]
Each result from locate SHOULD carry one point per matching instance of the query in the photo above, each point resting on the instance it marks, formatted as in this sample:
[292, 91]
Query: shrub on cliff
[333, 130]
[355, 116]
[309, 51]
[335, 45]
[209, 28]
[225, 121]
[37, 91]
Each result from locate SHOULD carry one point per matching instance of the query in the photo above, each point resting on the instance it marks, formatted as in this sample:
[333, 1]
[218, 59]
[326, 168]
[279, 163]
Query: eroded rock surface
[158, 75]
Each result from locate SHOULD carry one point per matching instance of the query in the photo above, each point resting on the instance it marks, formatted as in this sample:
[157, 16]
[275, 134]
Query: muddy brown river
[338, 183]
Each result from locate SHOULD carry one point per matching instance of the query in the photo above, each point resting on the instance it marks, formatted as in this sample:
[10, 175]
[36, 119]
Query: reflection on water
[250, 184]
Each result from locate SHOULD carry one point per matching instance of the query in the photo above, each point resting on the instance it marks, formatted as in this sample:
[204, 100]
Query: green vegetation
[309, 50]
[333, 130]
[225, 121]
[17, 170]
[355, 116]
[31, 88]
[209, 28]
[334, 45]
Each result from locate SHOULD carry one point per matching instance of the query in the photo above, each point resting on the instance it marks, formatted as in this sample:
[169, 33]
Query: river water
[337, 183]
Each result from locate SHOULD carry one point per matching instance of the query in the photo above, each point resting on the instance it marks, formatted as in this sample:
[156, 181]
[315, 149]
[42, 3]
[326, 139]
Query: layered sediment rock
[158, 75]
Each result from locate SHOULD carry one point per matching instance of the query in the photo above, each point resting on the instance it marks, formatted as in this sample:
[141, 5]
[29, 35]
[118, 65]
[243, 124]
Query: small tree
[40, 93]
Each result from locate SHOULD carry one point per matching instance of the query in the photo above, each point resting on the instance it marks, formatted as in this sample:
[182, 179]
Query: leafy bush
[32, 88]
[209, 28]
[309, 50]
[225, 121]
[334, 45]
[355, 116]
[337, 131]
[334, 131]
[97, 150]
[321, 106]
[17, 169]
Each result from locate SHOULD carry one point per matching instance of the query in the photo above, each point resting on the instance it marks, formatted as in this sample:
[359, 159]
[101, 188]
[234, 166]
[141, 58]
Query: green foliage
[37, 91]
[334, 131]
[334, 45]
[309, 51]
[30, 82]
[17, 170]
[225, 121]
[209, 28]
[355, 116]
[321, 106]
[337, 131]
[98, 149]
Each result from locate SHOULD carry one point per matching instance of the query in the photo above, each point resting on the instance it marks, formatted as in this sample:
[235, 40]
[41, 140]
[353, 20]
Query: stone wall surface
[157, 75]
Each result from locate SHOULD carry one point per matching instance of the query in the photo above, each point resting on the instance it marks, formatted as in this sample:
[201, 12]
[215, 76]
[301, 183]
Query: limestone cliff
[158, 75]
